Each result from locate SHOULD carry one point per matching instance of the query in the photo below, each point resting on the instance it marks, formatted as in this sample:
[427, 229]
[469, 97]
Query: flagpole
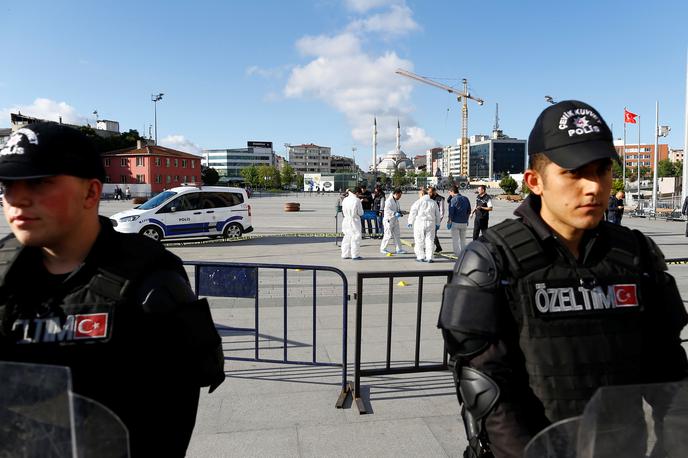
[654, 172]
[638, 160]
[623, 155]
[684, 180]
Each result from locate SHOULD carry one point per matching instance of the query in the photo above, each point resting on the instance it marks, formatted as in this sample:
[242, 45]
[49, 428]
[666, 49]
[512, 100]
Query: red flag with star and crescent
[629, 117]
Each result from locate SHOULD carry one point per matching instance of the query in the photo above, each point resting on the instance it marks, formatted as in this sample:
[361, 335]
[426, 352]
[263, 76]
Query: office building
[310, 158]
[490, 158]
[230, 161]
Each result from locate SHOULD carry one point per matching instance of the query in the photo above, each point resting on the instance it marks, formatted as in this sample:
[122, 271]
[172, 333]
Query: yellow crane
[462, 97]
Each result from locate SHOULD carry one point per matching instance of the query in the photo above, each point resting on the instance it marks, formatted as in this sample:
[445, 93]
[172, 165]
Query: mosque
[392, 161]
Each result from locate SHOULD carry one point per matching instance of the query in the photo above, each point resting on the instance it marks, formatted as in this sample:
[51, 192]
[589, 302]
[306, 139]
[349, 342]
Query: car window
[184, 202]
[220, 199]
[157, 200]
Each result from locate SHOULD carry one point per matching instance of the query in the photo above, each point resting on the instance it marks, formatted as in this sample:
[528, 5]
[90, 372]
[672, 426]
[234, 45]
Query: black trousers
[478, 226]
[438, 247]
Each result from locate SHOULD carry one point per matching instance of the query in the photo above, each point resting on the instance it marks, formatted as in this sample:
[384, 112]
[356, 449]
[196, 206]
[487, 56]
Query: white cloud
[363, 6]
[49, 110]
[181, 143]
[360, 84]
[395, 22]
[267, 73]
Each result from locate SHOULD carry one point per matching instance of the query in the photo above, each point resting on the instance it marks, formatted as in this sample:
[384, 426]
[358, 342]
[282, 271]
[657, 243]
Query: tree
[508, 184]
[617, 185]
[209, 175]
[268, 176]
[250, 175]
[288, 175]
[617, 170]
[666, 168]
[114, 142]
[399, 178]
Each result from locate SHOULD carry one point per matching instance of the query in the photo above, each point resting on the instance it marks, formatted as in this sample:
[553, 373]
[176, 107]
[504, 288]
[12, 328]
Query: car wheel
[152, 232]
[232, 230]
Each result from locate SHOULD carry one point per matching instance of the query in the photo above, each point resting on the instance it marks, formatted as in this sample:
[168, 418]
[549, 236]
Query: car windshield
[157, 200]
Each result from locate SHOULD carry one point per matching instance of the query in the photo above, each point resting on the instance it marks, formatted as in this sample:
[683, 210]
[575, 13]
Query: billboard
[318, 183]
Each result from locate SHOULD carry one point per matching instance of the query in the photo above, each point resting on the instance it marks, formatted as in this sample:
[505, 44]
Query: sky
[319, 71]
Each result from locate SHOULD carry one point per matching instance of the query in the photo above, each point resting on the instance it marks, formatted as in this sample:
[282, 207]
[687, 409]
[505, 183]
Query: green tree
[250, 175]
[666, 168]
[112, 143]
[617, 170]
[288, 175]
[268, 176]
[209, 175]
[617, 185]
[399, 178]
[508, 184]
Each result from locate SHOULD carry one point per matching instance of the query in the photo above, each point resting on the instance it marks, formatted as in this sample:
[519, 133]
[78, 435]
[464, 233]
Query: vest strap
[523, 251]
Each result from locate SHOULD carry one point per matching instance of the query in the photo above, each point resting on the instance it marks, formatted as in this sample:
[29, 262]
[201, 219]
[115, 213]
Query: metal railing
[241, 280]
[388, 369]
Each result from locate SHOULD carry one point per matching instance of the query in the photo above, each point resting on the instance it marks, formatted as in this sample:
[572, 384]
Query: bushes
[509, 185]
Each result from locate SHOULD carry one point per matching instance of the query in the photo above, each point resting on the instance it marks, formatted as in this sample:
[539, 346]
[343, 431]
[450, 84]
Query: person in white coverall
[351, 225]
[424, 217]
[390, 219]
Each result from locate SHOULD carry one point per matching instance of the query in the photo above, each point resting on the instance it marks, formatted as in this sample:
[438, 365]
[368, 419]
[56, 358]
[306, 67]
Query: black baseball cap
[48, 149]
[571, 134]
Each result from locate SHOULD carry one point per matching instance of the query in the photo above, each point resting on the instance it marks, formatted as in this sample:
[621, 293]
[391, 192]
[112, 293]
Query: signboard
[267, 145]
[315, 182]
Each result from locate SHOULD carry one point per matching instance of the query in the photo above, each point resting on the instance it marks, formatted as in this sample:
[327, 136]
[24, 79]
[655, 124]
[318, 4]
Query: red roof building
[155, 166]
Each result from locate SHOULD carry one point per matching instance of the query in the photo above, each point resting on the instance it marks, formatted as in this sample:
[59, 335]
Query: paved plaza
[275, 409]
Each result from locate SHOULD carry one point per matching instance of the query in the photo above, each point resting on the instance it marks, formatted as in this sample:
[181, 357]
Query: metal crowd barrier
[240, 280]
[387, 370]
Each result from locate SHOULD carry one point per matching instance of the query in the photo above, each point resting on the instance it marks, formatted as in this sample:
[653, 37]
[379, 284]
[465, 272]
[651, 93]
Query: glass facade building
[491, 158]
[229, 162]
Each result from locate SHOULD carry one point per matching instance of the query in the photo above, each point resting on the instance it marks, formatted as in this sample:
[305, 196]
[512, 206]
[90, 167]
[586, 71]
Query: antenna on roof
[496, 123]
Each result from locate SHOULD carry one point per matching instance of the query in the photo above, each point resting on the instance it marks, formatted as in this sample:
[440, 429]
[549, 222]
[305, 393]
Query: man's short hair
[357, 190]
[423, 190]
[538, 162]
[397, 191]
[454, 189]
[482, 186]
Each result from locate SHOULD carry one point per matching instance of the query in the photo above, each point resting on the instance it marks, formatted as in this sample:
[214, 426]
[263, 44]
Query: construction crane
[462, 97]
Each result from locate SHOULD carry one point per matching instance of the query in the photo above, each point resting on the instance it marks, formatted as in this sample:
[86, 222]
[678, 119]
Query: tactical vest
[580, 327]
[88, 309]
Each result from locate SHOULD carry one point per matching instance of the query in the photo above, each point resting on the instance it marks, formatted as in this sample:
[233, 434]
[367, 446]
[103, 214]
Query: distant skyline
[319, 71]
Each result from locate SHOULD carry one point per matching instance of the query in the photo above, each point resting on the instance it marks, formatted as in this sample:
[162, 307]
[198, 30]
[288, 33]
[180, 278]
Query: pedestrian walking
[424, 218]
[127, 193]
[481, 212]
[439, 200]
[392, 214]
[457, 221]
[351, 225]
[546, 308]
[116, 309]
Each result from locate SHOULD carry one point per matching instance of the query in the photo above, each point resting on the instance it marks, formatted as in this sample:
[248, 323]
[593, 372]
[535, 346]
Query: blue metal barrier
[240, 280]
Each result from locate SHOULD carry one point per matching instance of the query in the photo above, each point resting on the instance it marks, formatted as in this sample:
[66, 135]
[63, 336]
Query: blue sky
[318, 71]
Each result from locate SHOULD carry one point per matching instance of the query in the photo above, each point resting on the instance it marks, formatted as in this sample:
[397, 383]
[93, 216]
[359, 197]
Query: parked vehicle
[189, 211]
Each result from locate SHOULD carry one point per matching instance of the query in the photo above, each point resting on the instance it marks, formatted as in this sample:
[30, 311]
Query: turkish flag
[629, 117]
[91, 326]
[625, 295]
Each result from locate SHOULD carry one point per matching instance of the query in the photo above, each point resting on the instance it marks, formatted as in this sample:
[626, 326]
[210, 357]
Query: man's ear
[534, 180]
[93, 191]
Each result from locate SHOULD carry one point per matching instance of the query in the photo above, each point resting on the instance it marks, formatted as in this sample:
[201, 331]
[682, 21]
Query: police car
[189, 211]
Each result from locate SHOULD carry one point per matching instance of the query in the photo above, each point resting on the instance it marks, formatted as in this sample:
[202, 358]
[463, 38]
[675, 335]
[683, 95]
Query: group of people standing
[424, 217]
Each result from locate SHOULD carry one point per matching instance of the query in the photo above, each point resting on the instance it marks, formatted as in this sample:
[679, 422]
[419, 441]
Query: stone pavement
[273, 409]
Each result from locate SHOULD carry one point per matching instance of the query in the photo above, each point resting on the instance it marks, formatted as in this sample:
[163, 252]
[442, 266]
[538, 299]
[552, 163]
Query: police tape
[223, 240]
[676, 261]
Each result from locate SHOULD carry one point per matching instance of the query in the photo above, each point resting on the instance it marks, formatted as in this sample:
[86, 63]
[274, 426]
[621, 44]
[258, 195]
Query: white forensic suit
[424, 216]
[351, 226]
[390, 217]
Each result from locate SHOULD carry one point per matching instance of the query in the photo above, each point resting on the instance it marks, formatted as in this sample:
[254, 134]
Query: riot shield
[621, 421]
[41, 417]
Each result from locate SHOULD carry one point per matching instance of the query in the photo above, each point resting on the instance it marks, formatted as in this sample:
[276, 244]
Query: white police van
[189, 211]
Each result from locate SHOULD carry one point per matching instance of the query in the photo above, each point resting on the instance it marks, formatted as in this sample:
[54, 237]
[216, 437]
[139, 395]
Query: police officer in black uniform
[483, 207]
[544, 309]
[117, 309]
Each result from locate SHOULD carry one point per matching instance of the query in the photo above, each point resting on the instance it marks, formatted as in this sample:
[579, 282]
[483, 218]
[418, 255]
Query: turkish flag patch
[91, 326]
[625, 295]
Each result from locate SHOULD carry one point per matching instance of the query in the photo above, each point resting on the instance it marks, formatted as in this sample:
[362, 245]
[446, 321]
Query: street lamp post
[155, 98]
[660, 131]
